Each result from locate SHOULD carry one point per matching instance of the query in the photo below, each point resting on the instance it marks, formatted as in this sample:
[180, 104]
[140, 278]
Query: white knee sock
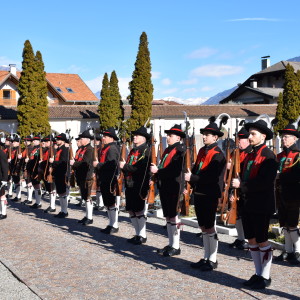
[64, 204]
[213, 246]
[3, 207]
[98, 198]
[288, 244]
[52, 199]
[135, 224]
[18, 191]
[255, 254]
[118, 200]
[175, 232]
[170, 235]
[240, 229]
[9, 188]
[266, 255]
[89, 209]
[206, 245]
[141, 220]
[113, 217]
[68, 193]
[29, 193]
[38, 196]
[294, 233]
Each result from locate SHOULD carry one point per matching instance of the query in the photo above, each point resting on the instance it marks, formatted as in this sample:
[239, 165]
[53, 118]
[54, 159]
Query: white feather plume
[267, 119]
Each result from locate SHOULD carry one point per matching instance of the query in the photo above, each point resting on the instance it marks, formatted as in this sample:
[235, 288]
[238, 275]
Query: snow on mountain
[220, 96]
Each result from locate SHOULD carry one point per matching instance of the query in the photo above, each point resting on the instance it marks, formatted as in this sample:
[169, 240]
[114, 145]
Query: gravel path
[61, 259]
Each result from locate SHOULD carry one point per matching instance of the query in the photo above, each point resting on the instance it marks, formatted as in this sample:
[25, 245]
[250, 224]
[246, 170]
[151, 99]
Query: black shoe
[109, 230]
[61, 215]
[35, 205]
[82, 220]
[209, 266]
[133, 239]
[294, 259]
[171, 252]
[78, 204]
[261, 283]
[49, 209]
[2, 217]
[87, 222]
[161, 251]
[251, 281]
[236, 244]
[198, 264]
[283, 256]
[29, 202]
[199, 234]
[100, 207]
[140, 240]
[8, 196]
[16, 199]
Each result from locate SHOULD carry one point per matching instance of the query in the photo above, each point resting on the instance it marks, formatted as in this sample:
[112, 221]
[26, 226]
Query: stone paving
[61, 259]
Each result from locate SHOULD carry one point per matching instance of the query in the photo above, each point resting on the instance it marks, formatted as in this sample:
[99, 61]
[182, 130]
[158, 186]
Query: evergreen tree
[279, 114]
[115, 97]
[104, 105]
[291, 95]
[26, 114]
[42, 116]
[141, 88]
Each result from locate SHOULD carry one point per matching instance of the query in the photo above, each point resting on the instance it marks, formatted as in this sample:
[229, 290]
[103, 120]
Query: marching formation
[244, 182]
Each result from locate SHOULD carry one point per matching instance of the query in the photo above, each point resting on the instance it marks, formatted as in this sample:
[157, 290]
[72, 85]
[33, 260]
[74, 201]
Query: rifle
[194, 156]
[151, 194]
[48, 173]
[71, 157]
[186, 202]
[95, 158]
[121, 175]
[274, 123]
[160, 146]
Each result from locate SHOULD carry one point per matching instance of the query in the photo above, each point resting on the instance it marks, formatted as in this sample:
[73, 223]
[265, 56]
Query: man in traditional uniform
[289, 186]
[8, 151]
[206, 180]
[245, 148]
[3, 183]
[59, 172]
[83, 167]
[137, 176]
[257, 189]
[32, 170]
[107, 169]
[170, 180]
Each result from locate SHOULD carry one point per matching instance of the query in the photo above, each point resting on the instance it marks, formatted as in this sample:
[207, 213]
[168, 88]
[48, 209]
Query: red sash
[286, 161]
[205, 157]
[103, 153]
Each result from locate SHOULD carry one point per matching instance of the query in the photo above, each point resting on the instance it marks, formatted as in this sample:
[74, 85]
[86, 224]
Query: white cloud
[166, 81]
[96, 85]
[216, 70]
[73, 69]
[170, 91]
[202, 53]
[189, 81]
[254, 19]
[155, 75]
[188, 101]
[5, 61]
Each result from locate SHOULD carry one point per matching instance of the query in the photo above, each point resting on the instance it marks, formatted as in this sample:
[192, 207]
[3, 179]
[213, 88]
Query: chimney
[13, 69]
[265, 62]
[253, 83]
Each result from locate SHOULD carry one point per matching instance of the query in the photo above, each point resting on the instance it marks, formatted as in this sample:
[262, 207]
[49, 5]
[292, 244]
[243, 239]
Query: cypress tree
[291, 95]
[104, 105]
[26, 113]
[42, 116]
[141, 88]
[115, 96]
[279, 114]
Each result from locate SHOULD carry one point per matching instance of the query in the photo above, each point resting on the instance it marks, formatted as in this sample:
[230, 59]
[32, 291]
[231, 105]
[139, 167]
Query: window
[69, 90]
[6, 94]
[59, 89]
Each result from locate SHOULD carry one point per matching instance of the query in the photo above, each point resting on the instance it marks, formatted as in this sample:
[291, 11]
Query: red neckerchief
[46, 154]
[286, 160]
[204, 158]
[33, 152]
[58, 153]
[132, 157]
[257, 160]
[103, 153]
[81, 153]
[166, 161]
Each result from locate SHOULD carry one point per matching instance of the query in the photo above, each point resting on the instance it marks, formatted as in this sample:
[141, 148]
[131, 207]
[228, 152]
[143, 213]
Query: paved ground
[61, 259]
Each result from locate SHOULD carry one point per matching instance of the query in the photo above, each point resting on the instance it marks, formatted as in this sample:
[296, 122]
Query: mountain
[295, 59]
[220, 96]
[4, 68]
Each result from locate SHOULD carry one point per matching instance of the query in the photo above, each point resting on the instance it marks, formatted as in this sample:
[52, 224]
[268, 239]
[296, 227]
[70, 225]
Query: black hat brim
[145, 135]
[111, 135]
[265, 130]
[296, 133]
[176, 132]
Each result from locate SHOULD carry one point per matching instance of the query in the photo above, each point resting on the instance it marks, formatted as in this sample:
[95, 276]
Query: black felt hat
[62, 137]
[242, 134]
[98, 136]
[142, 131]
[16, 139]
[290, 129]
[28, 138]
[261, 126]
[110, 132]
[89, 134]
[176, 129]
[212, 128]
[36, 137]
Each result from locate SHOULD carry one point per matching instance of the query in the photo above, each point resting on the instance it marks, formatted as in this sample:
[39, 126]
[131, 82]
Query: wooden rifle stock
[72, 175]
[160, 146]
[48, 173]
[185, 209]
[151, 194]
[121, 175]
[194, 147]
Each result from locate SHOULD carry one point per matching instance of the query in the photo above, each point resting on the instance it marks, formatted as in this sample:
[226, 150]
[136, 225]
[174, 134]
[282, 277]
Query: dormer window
[59, 89]
[6, 94]
[69, 90]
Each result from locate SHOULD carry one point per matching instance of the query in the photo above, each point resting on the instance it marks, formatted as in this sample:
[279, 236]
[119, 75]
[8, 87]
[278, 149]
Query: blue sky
[198, 48]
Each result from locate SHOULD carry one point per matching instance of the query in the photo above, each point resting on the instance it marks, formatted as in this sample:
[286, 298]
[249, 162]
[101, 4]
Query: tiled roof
[271, 92]
[158, 111]
[164, 102]
[280, 66]
[81, 91]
